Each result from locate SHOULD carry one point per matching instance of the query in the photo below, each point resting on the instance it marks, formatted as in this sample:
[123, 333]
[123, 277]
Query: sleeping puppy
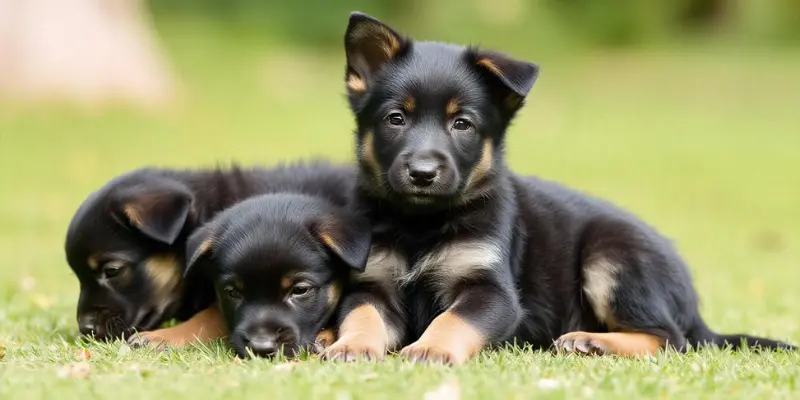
[278, 263]
[126, 243]
[467, 254]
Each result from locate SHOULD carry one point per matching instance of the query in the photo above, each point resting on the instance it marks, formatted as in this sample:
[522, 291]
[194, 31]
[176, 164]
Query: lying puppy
[278, 263]
[466, 254]
[127, 240]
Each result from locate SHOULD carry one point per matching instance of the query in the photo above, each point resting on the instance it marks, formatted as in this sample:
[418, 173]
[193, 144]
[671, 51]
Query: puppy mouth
[147, 319]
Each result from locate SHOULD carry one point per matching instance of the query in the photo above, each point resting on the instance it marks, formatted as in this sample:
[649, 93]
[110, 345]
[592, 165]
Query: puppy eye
[232, 293]
[396, 119]
[301, 290]
[113, 268]
[461, 124]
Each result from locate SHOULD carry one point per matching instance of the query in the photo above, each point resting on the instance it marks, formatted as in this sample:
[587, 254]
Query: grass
[700, 142]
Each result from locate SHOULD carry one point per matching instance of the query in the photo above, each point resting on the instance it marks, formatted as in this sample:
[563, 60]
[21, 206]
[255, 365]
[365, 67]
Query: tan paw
[581, 343]
[422, 352]
[325, 338]
[354, 349]
[148, 339]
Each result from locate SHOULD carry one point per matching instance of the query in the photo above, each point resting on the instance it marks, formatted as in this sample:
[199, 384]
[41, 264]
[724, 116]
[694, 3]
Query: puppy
[278, 263]
[126, 243]
[467, 254]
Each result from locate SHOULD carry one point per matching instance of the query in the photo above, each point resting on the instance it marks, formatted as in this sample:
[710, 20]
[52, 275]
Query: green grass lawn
[703, 143]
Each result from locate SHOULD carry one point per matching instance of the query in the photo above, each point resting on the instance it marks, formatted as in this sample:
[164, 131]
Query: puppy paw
[581, 343]
[421, 352]
[325, 338]
[349, 350]
[147, 339]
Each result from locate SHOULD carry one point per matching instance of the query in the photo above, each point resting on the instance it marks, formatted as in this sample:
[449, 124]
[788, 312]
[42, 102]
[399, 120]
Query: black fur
[547, 238]
[278, 263]
[168, 204]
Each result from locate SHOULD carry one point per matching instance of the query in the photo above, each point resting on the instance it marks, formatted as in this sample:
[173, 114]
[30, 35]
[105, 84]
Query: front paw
[354, 349]
[422, 352]
[325, 338]
[581, 343]
[147, 339]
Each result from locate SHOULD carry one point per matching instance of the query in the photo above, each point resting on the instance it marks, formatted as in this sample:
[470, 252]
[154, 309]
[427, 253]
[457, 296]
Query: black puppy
[467, 254]
[278, 263]
[127, 240]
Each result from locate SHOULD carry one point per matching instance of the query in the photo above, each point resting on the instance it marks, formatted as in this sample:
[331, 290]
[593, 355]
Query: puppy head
[431, 116]
[125, 244]
[278, 263]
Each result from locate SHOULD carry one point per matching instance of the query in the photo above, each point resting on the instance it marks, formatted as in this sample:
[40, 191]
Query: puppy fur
[126, 242]
[467, 254]
[278, 263]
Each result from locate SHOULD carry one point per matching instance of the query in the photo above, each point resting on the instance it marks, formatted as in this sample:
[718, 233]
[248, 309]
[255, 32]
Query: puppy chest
[439, 269]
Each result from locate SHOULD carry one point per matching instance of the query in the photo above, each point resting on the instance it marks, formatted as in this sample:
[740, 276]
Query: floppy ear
[199, 245]
[515, 77]
[159, 210]
[349, 237]
[368, 45]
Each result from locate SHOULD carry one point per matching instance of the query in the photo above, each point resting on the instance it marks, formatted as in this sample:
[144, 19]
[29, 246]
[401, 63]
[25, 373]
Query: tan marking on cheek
[409, 104]
[367, 152]
[599, 283]
[334, 293]
[203, 327]
[93, 262]
[165, 275]
[484, 165]
[490, 65]
[448, 338]
[452, 108]
[611, 343]
[356, 84]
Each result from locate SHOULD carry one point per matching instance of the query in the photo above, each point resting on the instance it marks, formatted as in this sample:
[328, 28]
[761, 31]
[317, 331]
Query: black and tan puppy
[278, 263]
[466, 254]
[126, 243]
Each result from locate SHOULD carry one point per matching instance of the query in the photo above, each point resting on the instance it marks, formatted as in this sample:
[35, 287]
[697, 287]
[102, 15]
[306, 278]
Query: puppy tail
[701, 336]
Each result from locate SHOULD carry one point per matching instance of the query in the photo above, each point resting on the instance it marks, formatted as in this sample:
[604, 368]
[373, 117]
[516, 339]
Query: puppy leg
[612, 343]
[638, 289]
[481, 314]
[204, 326]
[325, 338]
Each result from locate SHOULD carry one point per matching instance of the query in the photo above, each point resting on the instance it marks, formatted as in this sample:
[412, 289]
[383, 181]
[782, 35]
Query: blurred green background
[685, 112]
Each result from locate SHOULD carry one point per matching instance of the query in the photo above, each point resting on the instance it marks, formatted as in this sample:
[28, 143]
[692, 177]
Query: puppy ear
[368, 45]
[348, 237]
[516, 77]
[159, 210]
[199, 245]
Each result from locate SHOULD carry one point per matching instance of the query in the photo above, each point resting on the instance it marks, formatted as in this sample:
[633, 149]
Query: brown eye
[232, 293]
[112, 269]
[396, 119]
[462, 124]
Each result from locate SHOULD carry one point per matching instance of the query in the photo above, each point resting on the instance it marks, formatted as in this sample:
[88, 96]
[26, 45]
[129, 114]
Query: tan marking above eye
[93, 261]
[409, 104]
[287, 282]
[452, 108]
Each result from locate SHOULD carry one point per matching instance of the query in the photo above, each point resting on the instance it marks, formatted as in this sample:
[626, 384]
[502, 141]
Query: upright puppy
[467, 254]
[126, 243]
[278, 263]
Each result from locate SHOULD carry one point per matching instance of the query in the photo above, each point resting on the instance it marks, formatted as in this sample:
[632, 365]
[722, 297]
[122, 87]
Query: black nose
[88, 325]
[423, 173]
[263, 345]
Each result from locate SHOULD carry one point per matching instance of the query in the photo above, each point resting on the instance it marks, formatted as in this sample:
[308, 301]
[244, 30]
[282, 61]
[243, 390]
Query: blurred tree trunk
[84, 51]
